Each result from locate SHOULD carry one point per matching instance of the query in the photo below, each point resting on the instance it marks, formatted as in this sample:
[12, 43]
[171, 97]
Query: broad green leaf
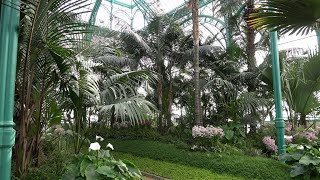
[297, 170]
[83, 166]
[132, 169]
[91, 173]
[72, 173]
[243, 134]
[229, 134]
[307, 159]
[297, 155]
[107, 171]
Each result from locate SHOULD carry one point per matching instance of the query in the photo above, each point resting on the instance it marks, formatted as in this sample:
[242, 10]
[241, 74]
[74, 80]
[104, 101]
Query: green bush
[304, 160]
[100, 164]
[237, 165]
[51, 168]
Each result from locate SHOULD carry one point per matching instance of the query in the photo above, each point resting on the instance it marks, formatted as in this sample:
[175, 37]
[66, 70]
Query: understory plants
[244, 166]
[304, 160]
[207, 137]
[100, 164]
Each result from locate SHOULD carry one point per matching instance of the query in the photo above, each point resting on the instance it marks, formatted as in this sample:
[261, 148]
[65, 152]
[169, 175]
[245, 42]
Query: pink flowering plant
[206, 137]
[270, 144]
[306, 136]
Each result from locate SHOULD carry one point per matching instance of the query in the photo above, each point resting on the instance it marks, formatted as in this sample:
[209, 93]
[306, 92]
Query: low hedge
[236, 165]
[173, 171]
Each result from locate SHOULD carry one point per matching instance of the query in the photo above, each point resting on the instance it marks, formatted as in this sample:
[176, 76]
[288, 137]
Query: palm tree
[294, 16]
[49, 37]
[303, 85]
[195, 34]
[158, 48]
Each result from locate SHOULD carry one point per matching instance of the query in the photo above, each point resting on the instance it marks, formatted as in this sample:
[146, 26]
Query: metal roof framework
[134, 12]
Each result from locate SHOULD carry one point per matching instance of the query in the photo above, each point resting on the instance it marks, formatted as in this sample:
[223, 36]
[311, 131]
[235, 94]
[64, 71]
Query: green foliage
[51, 169]
[237, 165]
[281, 15]
[174, 171]
[234, 132]
[304, 160]
[100, 165]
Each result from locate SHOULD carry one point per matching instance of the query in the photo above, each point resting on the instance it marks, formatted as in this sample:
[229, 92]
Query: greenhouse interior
[159, 89]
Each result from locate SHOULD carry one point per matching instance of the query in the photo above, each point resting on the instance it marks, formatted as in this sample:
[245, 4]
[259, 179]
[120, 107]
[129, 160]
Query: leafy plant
[305, 160]
[100, 164]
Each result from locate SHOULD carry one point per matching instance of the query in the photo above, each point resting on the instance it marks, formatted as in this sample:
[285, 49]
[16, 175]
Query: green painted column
[9, 24]
[318, 38]
[279, 121]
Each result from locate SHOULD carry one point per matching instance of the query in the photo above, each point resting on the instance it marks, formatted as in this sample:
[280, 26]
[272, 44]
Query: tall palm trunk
[251, 61]
[159, 62]
[195, 33]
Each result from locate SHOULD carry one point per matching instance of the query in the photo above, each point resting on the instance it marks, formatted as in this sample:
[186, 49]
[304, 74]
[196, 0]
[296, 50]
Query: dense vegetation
[77, 84]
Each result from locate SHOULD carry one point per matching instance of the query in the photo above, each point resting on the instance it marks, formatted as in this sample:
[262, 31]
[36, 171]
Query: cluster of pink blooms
[208, 132]
[311, 135]
[270, 143]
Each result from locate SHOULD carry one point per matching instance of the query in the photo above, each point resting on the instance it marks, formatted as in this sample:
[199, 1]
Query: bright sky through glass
[122, 17]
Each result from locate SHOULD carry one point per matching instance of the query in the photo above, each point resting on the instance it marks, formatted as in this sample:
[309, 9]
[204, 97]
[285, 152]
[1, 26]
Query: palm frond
[294, 16]
[136, 108]
[113, 60]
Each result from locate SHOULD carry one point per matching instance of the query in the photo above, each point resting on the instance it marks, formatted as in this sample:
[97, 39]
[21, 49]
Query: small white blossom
[94, 146]
[110, 146]
[300, 147]
[99, 138]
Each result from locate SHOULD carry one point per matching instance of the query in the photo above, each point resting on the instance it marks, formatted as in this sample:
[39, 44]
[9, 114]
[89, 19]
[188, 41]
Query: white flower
[110, 146]
[300, 147]
[99, 138]
[94, 146]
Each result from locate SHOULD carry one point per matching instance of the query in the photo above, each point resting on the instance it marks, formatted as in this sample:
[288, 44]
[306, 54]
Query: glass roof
[136, 14]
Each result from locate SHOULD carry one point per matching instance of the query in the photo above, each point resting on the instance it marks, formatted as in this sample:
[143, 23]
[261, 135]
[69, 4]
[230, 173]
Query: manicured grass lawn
[171, 170]
[234, 165]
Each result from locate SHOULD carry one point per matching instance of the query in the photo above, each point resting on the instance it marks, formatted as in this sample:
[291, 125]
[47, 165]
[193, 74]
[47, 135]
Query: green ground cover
[173, 171]
[234, 165]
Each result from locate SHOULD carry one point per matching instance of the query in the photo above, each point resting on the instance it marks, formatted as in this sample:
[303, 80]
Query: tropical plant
[100, 164]
[303, 84]
[50, 36]
[304, 160]
[281, 15]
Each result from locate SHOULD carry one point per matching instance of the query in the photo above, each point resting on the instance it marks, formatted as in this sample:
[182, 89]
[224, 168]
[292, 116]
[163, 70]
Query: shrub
[99, 164]
[304, 160]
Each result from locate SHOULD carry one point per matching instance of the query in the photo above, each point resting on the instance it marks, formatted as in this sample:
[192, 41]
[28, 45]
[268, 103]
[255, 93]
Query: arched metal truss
[181, 14]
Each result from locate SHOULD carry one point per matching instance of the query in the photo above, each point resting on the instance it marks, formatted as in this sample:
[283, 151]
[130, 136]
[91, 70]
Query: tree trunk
[251, 61]
[113, 117]
[303, 120]
[159, 63]
[195, 34]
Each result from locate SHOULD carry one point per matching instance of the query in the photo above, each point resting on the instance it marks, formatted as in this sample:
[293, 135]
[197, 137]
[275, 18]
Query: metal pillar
[9, 24]
[92, 19]
[318, 38]
[279, 121]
